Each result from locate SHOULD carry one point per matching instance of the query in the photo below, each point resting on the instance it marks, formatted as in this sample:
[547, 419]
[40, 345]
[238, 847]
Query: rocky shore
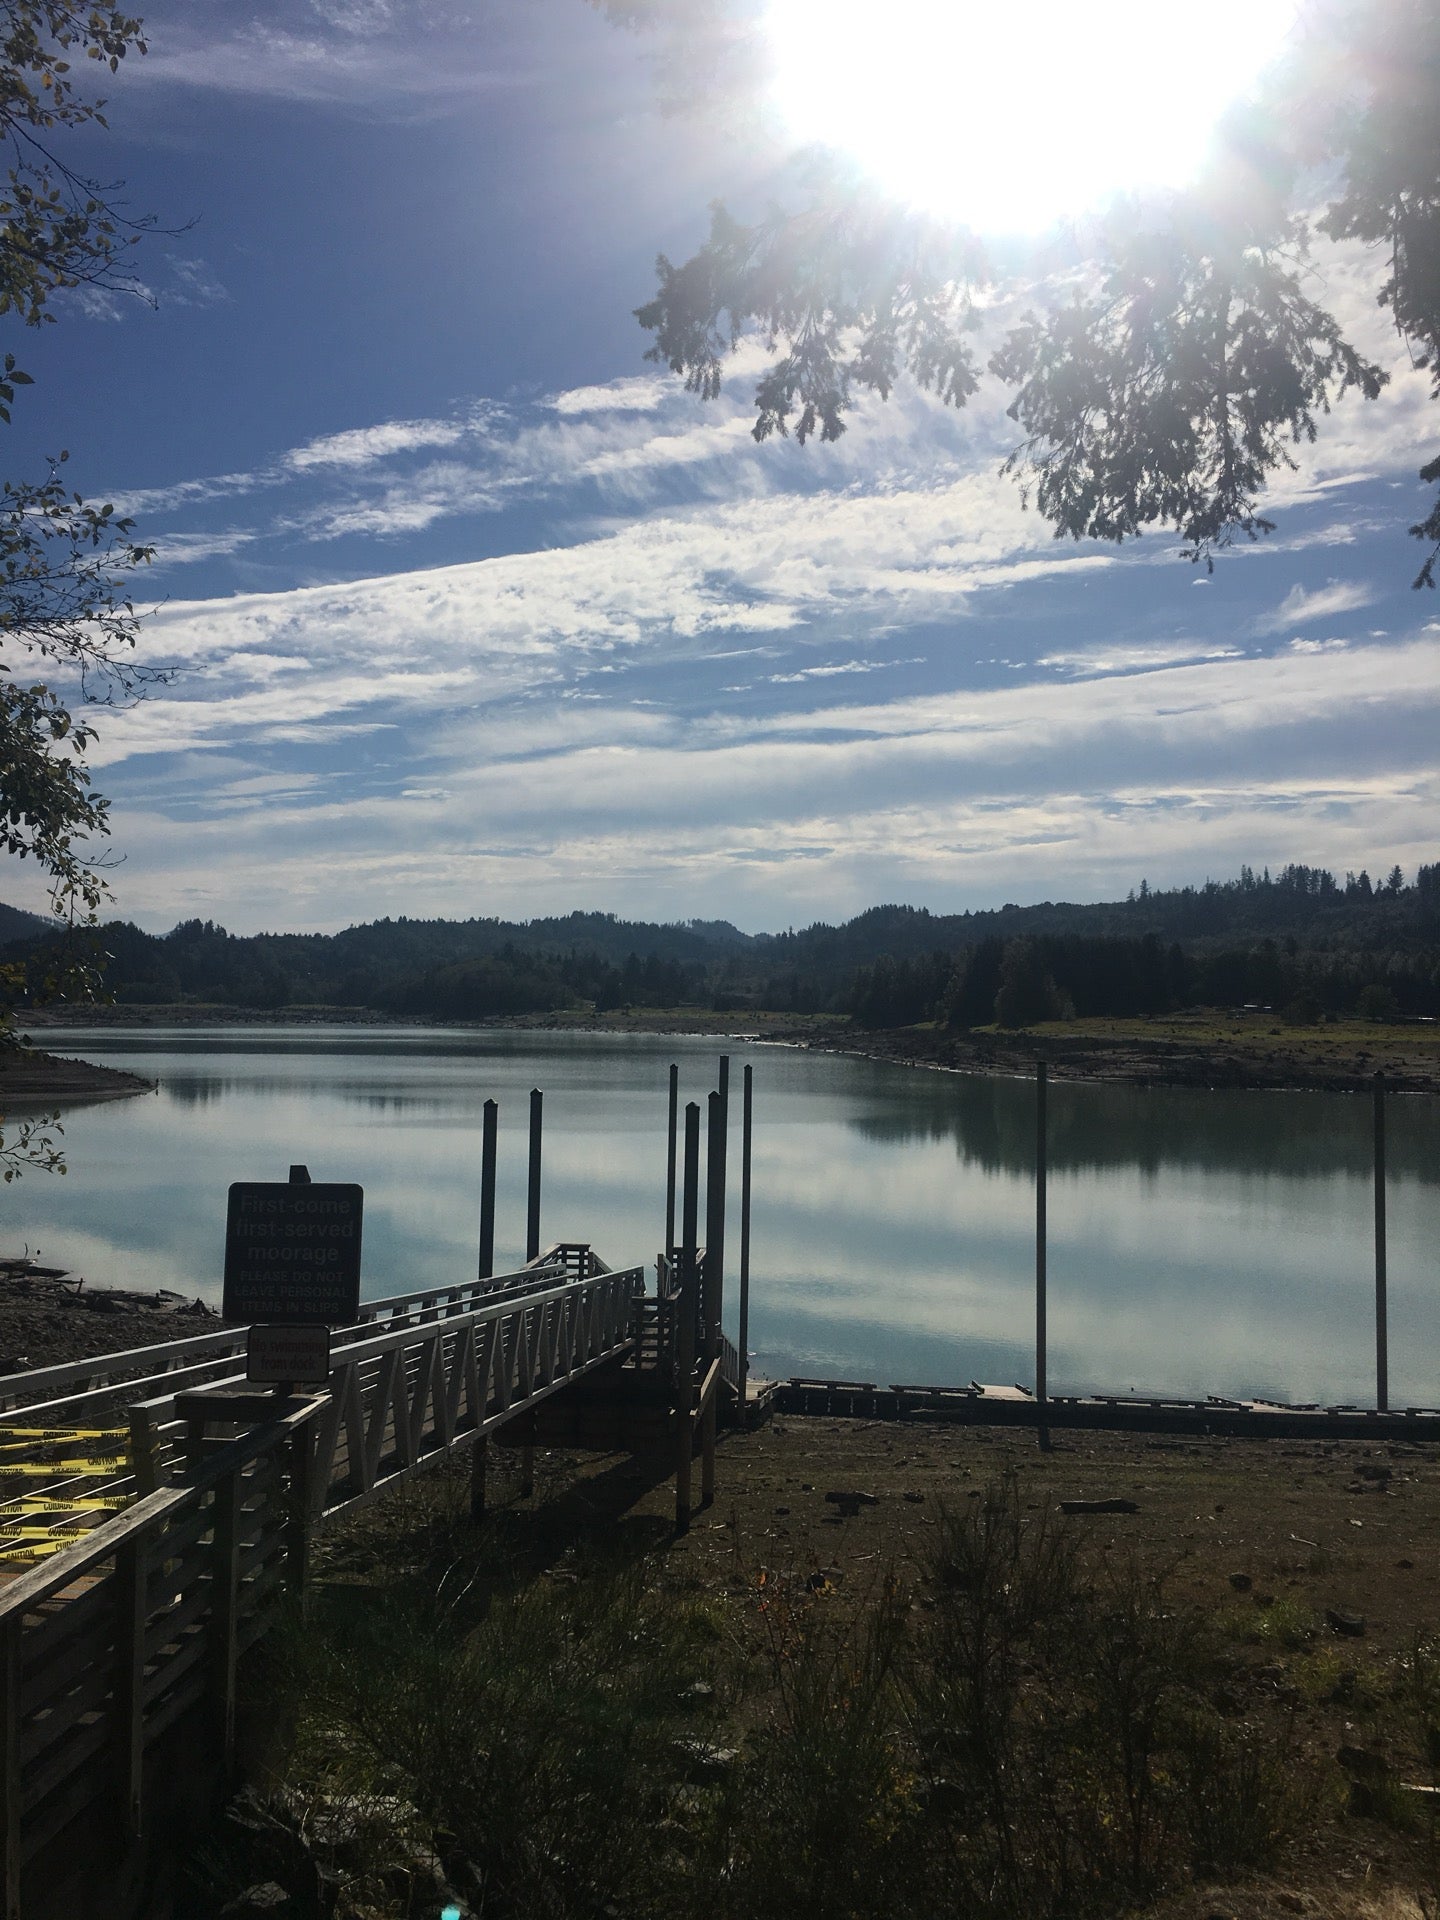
[48, 1316]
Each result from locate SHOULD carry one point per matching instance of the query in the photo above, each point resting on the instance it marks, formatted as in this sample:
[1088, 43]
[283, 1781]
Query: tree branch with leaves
[1194, 358]
[66, 566]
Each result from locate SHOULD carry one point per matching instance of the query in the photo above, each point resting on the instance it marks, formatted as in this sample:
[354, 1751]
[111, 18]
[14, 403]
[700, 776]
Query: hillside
[1301, 938]
[17, 924]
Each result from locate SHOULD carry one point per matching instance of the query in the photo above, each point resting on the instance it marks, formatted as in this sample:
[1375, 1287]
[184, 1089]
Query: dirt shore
[1315, 1563]
[1208, 1048]
[30, 1079]
[1244, 1051]
[48, 1317]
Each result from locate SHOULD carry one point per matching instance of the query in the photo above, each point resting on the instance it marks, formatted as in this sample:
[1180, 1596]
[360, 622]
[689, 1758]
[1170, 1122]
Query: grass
[1023, 1727]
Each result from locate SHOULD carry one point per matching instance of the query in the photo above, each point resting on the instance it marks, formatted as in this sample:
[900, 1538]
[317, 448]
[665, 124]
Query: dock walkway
[163, 1557]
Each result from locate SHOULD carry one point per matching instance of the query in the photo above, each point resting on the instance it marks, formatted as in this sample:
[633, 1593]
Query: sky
[473, 611]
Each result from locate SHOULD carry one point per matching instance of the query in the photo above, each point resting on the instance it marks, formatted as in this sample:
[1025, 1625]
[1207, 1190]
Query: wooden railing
[77, 1390]
[398, 1399]
[730, 1369]
[404, 1397]
[578, 1259]
[107, 1648]
[115, 1642]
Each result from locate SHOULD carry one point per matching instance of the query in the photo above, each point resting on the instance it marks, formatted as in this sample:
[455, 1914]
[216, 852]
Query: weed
[1283, 1623]
[1040, 1740]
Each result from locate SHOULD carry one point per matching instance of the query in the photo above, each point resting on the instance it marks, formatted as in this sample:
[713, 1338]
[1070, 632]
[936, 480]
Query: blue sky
[475, 612]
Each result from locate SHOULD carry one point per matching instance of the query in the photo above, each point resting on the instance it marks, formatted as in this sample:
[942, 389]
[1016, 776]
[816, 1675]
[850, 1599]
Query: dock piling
[711, 1327]
[489, 1133]
[714, 1295]
[532, 1213]
[1041, 1332]
[745, 1136]
[715, 1200]
[685, 1308]
[673, 1129]
[1382, 1330]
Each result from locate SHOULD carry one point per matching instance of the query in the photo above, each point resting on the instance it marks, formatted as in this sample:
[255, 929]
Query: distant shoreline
[1250, 1050]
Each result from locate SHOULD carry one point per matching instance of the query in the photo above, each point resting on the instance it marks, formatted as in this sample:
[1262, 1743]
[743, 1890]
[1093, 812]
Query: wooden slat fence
[107, 1648]
[78, 1390]
[398, 1401]
[111, 1645]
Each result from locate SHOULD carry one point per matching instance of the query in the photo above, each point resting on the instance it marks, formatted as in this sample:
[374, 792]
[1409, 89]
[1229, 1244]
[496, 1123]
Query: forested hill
[1300, 932]
[17, 924]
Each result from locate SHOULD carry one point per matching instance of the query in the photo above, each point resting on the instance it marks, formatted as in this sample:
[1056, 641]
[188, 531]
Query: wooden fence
[118, 1646]
[76, 1390]
[108, 1648]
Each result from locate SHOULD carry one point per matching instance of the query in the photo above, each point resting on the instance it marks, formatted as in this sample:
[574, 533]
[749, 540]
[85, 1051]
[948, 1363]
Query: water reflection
[1199, 1242]
[992, 1125]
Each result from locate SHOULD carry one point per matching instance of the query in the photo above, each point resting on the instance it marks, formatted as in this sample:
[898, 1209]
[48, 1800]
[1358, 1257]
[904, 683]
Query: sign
[293, 1356]
[292, 1252]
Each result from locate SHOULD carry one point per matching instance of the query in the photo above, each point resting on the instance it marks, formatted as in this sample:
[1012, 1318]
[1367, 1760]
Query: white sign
[294, 1356]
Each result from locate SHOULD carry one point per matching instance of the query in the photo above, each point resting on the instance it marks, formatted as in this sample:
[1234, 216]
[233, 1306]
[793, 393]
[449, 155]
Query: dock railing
[75, 1390]
[131, 1637]
[409, 1395]
[107, 1648]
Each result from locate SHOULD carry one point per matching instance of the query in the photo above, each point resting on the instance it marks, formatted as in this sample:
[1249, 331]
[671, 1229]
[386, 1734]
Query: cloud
[642, 395]
[353, 65]
[501, 767]
[356, 16]
[187, 549]
[1136, 657]
[1298, 608]
[363, 446]
[108, 304]
[839, 666]
[193, 283]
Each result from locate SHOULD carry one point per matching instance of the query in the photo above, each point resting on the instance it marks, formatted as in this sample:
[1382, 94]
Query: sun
[1013, 117]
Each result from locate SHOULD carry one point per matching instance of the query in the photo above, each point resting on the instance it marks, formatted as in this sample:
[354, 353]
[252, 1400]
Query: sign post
[292, 1267]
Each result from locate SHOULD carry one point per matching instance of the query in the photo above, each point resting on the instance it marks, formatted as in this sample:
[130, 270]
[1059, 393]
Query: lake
[1198, 1242]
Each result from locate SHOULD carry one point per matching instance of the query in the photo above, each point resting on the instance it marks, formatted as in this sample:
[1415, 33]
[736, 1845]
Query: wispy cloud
[1060, 788]
[364, 446]
[397, 75]
[1136, 657]
[837, 667]
[188, 549]
[641, 395]
[193, 283]
[1300, 607]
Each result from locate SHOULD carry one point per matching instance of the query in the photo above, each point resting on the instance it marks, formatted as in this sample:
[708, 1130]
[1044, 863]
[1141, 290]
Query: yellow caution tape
[9, 1434]
[33, 1549]
[81, 1503]
[37, 1469]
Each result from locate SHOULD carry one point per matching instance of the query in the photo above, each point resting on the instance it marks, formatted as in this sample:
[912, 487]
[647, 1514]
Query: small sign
[297, 1356]
[292, 1252]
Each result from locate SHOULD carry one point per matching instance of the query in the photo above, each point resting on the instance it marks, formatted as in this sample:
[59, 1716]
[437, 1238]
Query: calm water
[1198, 1242]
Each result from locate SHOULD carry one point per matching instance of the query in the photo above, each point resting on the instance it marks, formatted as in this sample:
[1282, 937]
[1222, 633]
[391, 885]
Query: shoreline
[30, 1080]
[1246, 1051]
[1160, 1061]
[49, 1317]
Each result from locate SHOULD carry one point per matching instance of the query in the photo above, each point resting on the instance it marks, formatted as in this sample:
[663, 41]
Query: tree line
[1299, 941]
[1018, 982]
